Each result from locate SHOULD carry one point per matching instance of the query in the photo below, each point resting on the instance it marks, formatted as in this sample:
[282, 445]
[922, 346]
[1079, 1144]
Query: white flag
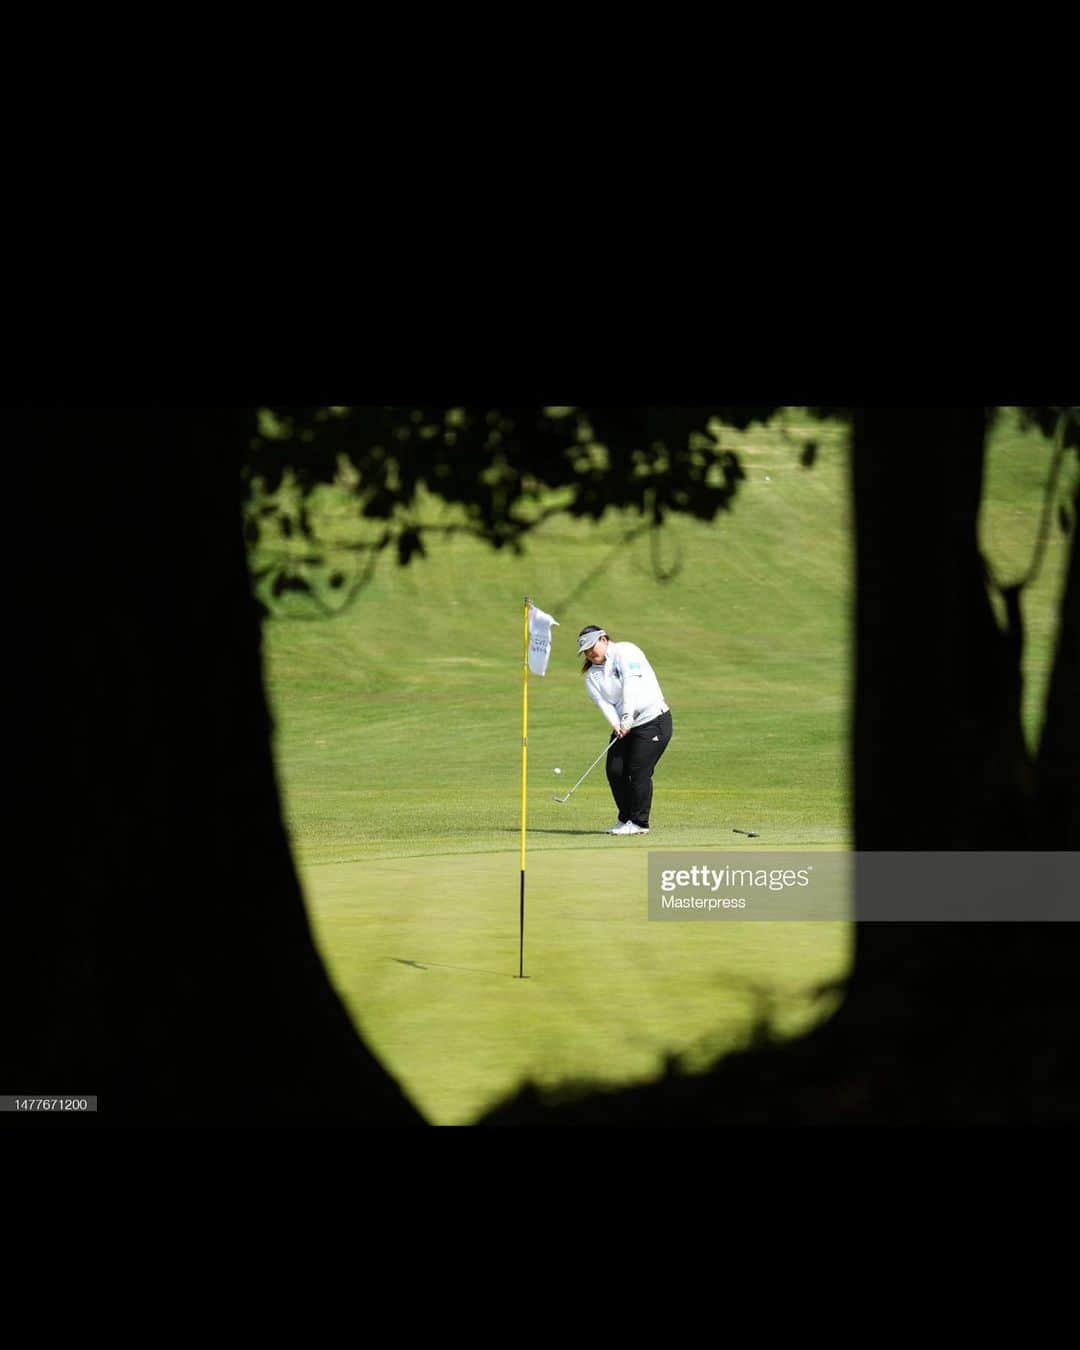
[540, 626]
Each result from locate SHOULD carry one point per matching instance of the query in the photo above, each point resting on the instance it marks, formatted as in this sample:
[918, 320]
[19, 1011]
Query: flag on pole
[540, 626]
[537, 650]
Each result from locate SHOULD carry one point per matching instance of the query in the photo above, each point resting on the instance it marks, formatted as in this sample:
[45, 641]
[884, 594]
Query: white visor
[589, 640]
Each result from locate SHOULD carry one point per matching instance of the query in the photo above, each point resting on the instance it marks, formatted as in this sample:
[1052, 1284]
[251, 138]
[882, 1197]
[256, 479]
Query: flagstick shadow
[442, 965]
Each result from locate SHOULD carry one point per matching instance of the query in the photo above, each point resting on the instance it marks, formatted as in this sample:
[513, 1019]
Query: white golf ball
[768, 479]
[558, 770]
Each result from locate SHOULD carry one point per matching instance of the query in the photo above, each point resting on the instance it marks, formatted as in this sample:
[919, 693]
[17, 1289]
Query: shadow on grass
[703, 1080]
[442, 965]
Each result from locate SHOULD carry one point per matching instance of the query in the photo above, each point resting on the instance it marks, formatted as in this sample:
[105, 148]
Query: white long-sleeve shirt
[625, 687]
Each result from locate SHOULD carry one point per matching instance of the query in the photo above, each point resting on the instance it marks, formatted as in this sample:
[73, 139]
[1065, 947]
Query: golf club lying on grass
[750, 834]
[585, 775]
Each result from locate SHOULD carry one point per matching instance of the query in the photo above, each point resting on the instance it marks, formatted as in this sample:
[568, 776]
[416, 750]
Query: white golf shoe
[631, 828]
[614, 829]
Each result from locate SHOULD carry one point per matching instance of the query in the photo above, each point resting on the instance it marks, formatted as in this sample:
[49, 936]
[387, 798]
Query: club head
[560, 800]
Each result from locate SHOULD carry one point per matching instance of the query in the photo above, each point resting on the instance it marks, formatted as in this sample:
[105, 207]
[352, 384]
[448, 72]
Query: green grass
[398, 745]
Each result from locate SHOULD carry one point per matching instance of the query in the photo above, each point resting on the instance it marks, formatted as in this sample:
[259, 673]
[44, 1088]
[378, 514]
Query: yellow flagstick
[524, 762]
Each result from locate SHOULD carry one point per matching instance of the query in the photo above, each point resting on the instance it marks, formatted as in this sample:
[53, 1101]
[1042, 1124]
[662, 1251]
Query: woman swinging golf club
[622, 684]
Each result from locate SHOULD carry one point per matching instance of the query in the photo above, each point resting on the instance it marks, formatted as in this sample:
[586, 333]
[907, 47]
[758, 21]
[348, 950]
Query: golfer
[622, 684]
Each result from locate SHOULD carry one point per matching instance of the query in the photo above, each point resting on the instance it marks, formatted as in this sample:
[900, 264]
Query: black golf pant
[630, 764]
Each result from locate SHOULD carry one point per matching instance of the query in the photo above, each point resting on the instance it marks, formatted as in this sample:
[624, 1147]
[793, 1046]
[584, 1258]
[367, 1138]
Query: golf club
[750, 834]
[585, 775]
[592, 766]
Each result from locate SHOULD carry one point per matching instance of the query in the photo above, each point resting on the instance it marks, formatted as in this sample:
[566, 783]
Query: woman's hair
[600, 632]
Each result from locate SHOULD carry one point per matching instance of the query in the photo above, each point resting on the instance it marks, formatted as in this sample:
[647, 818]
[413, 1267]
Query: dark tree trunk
[939, 758]
[1058, 766]
[172, 969]
[980, 1015]
[938, 749]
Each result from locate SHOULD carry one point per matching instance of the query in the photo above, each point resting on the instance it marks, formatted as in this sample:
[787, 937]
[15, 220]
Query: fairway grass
[398, 729]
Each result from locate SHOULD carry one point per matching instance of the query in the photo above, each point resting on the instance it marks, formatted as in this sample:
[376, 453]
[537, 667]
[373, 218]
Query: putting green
[426, 952]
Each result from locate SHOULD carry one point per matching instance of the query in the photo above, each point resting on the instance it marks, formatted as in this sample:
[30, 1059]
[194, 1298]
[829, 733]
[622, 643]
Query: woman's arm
[633, 665]
[608, 709]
